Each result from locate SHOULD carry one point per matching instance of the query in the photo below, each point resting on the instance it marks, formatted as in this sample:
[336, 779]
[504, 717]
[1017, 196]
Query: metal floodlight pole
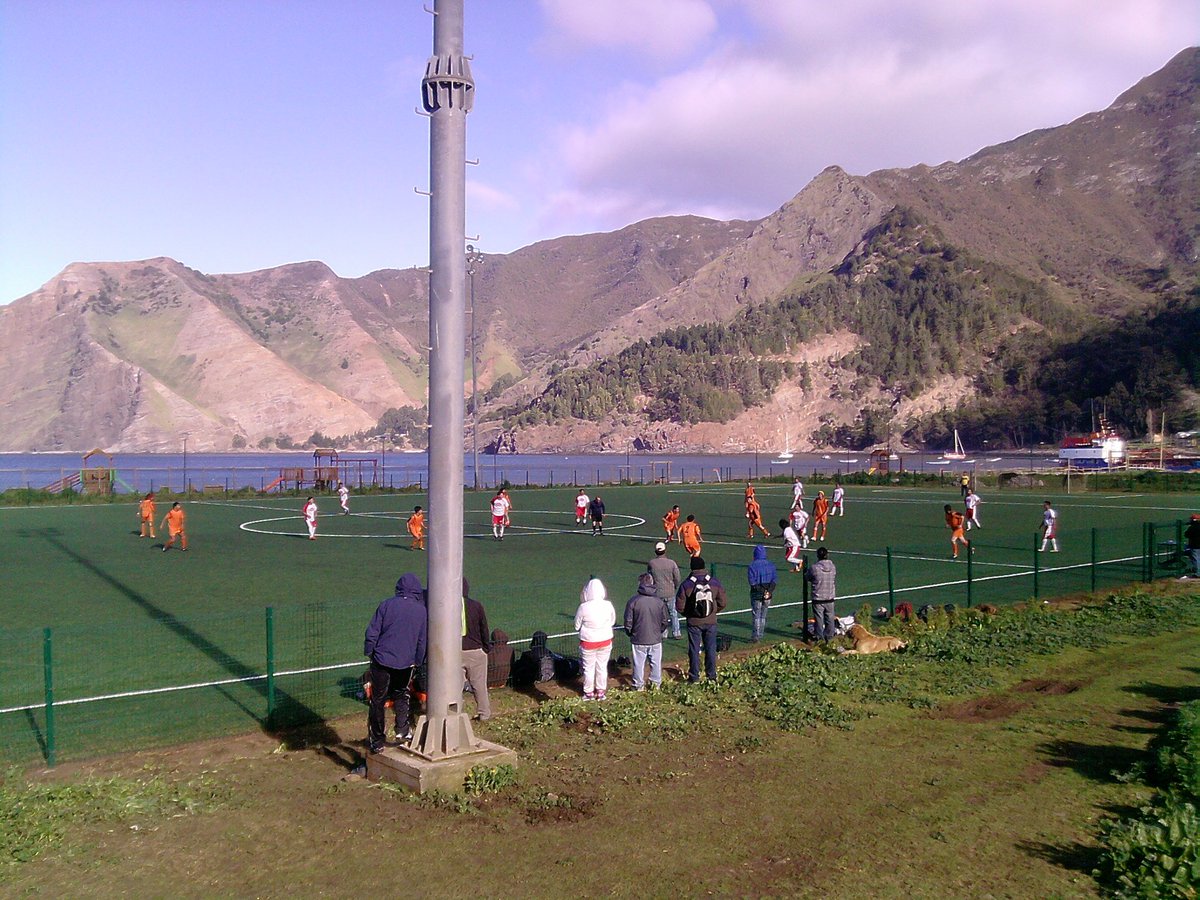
[447, 92]
[474, 258]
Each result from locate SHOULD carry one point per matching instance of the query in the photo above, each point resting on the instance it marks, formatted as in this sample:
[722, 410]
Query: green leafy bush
[1155, 854]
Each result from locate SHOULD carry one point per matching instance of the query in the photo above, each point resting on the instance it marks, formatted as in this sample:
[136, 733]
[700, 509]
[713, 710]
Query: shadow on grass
[1103, 763]
[1073, 856]
[289, 713]
[1166, 693]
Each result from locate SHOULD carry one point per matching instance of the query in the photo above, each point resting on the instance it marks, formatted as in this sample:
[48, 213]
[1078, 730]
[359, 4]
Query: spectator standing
[395, 644]
[666, 583]
[476, 645]
[646, 622]
[700, 598]
[822, 575]
[594, 620]
[762, 577]
[1192, 535]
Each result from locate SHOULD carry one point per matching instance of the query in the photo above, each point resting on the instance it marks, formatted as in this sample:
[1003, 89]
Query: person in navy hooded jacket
[762, 577]
[395, 644]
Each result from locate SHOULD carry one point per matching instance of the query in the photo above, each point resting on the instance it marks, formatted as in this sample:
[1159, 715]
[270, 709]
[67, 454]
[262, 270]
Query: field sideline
[127, 617]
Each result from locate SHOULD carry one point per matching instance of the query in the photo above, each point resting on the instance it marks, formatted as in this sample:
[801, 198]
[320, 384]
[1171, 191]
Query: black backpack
[704, 603]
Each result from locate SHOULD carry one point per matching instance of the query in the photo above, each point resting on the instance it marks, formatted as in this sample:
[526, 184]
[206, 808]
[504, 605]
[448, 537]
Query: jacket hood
[409, 585]
[593, 590]
[646, 584]
[760, 552]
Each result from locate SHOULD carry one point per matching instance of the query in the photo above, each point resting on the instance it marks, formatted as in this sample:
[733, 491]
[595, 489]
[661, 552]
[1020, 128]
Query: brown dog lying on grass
[865, 642]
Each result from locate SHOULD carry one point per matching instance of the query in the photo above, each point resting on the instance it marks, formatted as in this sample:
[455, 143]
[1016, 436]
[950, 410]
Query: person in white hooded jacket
[594, 620]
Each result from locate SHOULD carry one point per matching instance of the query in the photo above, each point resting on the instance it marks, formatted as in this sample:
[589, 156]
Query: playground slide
[274, 484]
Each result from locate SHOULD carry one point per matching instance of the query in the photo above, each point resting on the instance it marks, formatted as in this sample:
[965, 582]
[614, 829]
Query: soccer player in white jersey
[791, 545]
[499, 513]
[971, 502]
[800, 524]
[310, 517]
[797, 492]
[581, 505]
[344, 497]
[837, 508]
[1049, 528]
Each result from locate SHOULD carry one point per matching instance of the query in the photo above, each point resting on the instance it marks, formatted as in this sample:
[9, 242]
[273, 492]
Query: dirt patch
[1048, 687]
[981, 709]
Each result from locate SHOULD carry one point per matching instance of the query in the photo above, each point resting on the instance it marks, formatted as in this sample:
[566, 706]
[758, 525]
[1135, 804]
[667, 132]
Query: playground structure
[882, 459]
[90, 479]
[327, 472]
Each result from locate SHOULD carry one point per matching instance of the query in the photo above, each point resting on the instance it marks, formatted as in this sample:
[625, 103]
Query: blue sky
[236, 135]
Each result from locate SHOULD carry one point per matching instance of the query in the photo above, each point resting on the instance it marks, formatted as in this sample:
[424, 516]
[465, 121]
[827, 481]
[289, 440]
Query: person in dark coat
[395, 644]
[646, 620]
[762, 577]
[476, 644]
[700, 598]
[596, 511]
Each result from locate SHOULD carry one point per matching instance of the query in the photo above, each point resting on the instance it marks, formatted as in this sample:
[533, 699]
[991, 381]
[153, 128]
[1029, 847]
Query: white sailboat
[785, 455]
[959, 452]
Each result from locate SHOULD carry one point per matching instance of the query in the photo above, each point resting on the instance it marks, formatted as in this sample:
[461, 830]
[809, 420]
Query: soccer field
[129, 620]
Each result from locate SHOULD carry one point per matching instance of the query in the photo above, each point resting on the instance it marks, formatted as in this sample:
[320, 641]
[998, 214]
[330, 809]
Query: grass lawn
[995, 791]
[126, 617]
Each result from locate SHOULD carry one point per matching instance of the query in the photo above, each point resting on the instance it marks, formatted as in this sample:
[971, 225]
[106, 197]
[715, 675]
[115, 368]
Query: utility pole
[447, 94]
[474, 259]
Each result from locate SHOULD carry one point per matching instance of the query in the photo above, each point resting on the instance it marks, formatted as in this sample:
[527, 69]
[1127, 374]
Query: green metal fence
[78, 691]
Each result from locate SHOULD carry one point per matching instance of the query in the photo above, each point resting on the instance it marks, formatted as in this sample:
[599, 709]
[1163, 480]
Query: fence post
[1036, 566]
[970, 572]
[1152, 535]
[891, 585]
[804, 595]
[48, 674]
[270, 664]
[1093, 560]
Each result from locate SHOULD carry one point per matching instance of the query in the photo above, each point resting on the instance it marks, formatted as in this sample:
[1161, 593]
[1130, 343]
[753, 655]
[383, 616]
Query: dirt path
[994, 796]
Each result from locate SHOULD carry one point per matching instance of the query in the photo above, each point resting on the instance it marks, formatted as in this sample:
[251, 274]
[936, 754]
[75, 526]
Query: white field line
[728, 612]
[513, 530]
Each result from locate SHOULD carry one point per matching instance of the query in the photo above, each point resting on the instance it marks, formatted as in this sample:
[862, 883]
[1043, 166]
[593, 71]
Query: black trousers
[387, 684]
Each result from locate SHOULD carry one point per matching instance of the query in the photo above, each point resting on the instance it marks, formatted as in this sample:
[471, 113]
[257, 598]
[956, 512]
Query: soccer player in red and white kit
[581, 504]
[499, 513]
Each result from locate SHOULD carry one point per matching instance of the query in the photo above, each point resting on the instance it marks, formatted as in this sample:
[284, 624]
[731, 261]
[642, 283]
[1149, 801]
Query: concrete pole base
[406, 767]
[437, 737]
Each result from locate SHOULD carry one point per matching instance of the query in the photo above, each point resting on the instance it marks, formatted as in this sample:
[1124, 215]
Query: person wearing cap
[823, 578]
[695, 592]
[666, 584]
[646, 623]
[1192, 535]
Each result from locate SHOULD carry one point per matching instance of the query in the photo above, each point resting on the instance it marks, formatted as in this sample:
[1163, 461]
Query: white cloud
[490, 199]
[663, 28]
[865, 85]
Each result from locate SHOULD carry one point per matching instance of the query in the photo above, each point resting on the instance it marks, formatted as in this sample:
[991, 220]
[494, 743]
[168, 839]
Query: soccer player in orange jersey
[146, 510]
[689, 533]
[749, 492]
[416, 527]
[954, 521]
[173, 522]
[820, 516]
[754, 518]
[671, 524]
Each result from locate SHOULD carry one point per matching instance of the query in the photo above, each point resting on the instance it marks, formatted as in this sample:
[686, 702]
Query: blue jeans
[1195, 557]
[825, 624]
[705, 635]
[758, 624]
[641, 653]
[675, 630]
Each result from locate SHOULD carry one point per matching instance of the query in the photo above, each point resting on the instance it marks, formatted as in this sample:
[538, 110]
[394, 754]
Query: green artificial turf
[125, 617]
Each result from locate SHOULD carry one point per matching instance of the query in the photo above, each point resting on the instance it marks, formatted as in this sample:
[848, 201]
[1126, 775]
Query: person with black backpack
[699, 600]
